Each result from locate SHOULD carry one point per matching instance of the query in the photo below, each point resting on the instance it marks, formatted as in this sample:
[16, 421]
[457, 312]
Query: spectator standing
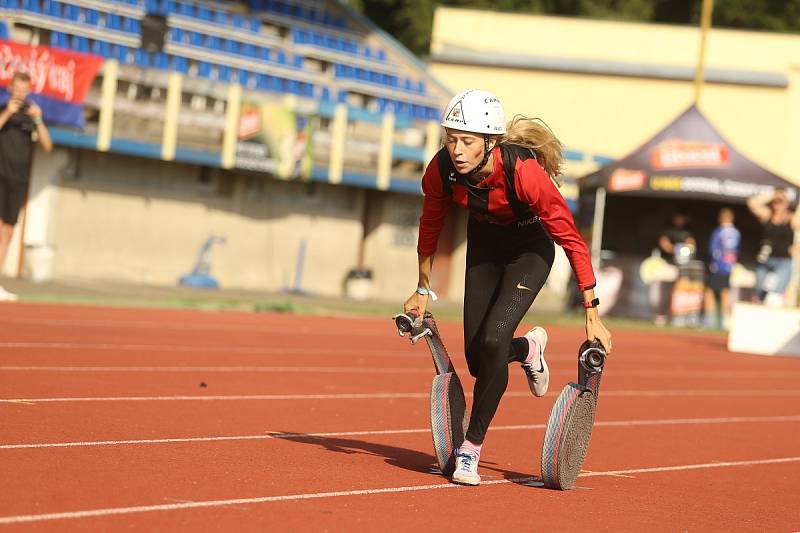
[723, 253]
[21, 125]
[775, 253]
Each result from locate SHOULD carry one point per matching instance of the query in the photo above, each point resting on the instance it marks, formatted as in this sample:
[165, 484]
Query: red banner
[55, 73]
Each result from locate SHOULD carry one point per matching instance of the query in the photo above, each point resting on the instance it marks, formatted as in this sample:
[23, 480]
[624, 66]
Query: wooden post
[705, 26]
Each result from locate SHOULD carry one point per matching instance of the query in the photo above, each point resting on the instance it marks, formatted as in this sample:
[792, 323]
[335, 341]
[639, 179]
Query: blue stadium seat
[4, 31]
[298, 62]
[113, 21]
[276, 84]
[255, 25]
[31, 5]
[161, 61]
[120, 53]
[186, 9]
[326, 94]
[213, 42]
[224, 73]
[312, 15]
[59, 40]
[196, 38]
[204, 69]
[381, 55]
[180, 64]
[307, 89]
[421, 88]
[293, 87]
[204, 12]
[280, 57]
[407, 85]
[383, 105]
[230, 46]
[249, 50]
[11, 4]
[221, 17]
[71, 12]
[169, 6]
[142, 58]
[176, 35]
[317, 39]
[238, 21]
[374, 77]
[92, 17]
[80, 44]
[342, 97]
[262, 83]
[362, 74]
[131, 25]
[244, 78]
[101, 48]
[262, 53]
[367, 51]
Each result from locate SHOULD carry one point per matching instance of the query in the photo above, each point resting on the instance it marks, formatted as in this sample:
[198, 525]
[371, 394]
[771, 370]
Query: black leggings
[506, 268]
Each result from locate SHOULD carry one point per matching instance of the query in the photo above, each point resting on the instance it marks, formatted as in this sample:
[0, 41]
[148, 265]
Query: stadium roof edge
[459, 56]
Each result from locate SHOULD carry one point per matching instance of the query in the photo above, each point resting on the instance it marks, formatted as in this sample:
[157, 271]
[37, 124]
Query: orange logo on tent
[677, 153]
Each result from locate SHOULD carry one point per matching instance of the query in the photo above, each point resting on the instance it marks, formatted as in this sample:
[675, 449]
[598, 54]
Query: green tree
[411, 21]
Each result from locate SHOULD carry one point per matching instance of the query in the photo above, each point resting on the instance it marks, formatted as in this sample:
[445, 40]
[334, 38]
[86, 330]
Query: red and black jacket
[533, 187]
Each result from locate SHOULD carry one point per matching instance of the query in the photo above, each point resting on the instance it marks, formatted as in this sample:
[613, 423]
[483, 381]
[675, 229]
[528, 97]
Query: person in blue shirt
[724, 253]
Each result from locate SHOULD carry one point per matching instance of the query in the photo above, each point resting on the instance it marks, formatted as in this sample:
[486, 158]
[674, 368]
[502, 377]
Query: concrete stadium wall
[143, 221]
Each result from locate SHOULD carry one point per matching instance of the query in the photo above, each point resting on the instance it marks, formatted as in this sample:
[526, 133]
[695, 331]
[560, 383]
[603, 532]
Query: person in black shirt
[775, 253]
[20, 125]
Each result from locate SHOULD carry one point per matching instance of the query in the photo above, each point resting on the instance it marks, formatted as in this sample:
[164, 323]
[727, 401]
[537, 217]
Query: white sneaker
[6, 296]
[466, 471]
[537, 371]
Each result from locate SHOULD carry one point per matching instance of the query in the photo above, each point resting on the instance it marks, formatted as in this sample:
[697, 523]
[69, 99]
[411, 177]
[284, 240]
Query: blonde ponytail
[533, 133]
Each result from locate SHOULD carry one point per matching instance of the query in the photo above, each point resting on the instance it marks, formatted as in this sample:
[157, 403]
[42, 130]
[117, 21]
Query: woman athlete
[508, 258]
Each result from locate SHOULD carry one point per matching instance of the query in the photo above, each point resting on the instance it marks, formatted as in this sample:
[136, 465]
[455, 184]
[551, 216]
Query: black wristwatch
[592, 303]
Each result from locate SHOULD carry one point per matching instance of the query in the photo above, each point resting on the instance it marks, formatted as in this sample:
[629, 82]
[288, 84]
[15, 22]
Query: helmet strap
[486, 154]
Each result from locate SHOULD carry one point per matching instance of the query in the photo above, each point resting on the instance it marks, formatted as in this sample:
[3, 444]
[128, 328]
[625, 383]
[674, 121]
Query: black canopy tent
[687, 166]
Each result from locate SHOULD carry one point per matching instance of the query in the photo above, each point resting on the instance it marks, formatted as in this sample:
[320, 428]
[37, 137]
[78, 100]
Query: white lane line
[397, 395]
[322, 436]
[209, 326]
[374, 370]
[387, 490]
[324, 349]
[275, 369]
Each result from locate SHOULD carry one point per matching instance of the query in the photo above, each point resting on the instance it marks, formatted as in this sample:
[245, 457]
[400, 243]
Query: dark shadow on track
[400, 457]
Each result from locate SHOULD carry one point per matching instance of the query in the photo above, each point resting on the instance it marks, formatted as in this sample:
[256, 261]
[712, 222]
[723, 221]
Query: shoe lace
[467, 461]
[530, 372]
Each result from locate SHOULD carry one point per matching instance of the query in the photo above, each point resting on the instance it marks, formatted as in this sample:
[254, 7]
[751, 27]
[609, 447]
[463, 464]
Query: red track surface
[208, 389]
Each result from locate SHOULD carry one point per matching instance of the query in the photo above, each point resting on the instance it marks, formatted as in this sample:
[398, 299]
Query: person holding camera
[21, 125]
[775, 253]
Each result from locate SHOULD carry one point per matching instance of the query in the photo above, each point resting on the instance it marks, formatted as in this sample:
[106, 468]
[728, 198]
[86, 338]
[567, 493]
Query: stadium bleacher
[226, 42]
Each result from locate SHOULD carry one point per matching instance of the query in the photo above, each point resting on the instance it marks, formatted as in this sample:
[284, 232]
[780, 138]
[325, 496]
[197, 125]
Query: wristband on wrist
[423, 291]
[38, 121]
[591, 303]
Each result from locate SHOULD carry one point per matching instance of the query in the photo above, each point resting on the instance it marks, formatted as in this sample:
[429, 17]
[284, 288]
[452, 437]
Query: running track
[166, 420]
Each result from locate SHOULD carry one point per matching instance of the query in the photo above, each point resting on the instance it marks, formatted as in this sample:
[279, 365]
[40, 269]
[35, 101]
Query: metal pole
[597, 226]
[705, 26]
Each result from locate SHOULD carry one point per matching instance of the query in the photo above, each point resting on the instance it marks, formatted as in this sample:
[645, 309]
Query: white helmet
[475, 111]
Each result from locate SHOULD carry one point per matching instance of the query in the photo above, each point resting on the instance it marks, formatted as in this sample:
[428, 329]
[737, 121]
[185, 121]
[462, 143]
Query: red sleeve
[536, 188]
[435, 208]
